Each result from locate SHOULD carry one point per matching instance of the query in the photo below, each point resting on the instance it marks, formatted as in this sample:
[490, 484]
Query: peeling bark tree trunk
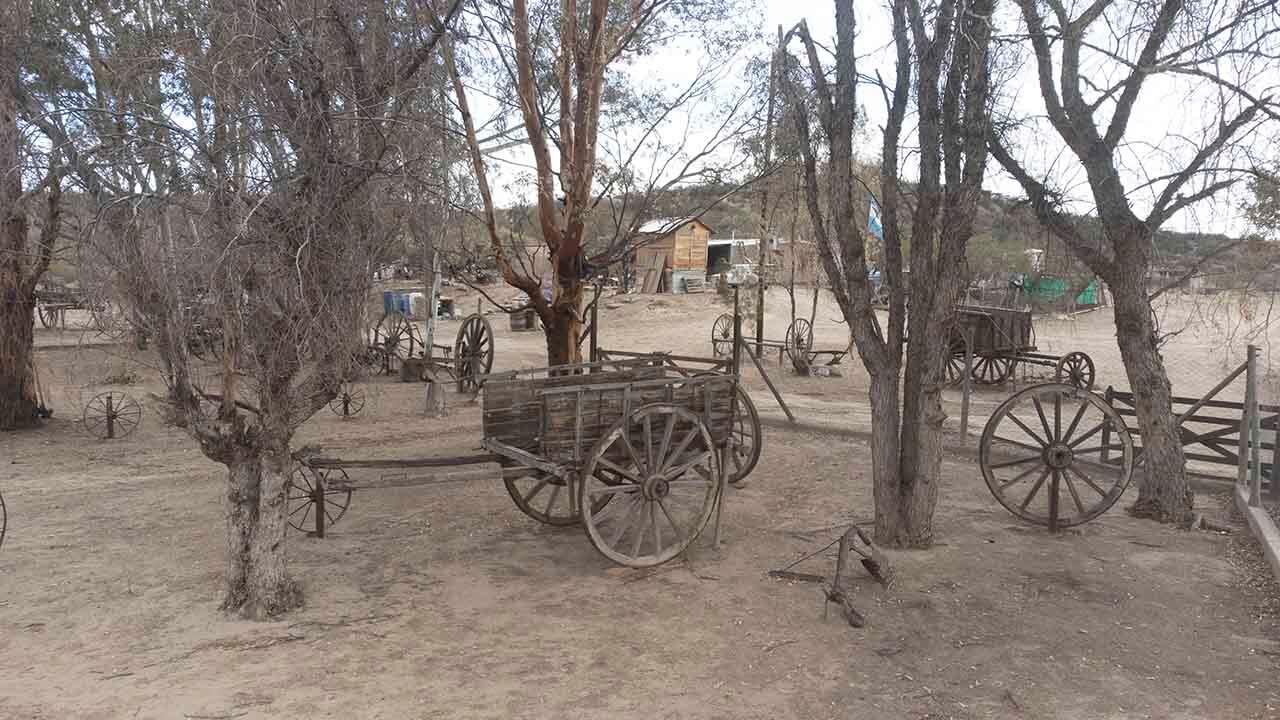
[258, 585]
[1163, 491]
[562, 326]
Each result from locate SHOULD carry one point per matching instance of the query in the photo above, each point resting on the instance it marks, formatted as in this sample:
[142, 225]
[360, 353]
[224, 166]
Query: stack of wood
[649, 273]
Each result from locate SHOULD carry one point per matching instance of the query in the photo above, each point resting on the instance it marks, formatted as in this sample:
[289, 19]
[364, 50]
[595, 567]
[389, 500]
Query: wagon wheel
[991, 369]
[473, 353]
[799, 340]
[301, 493]
[396, 337]
[747, 439]
[549, 499]
[1042, 455]
[107, 321]
[722, 336]
[1075, 369]
[111, 415]
[954, 370]
[348, 402]
[663, 464]
[48, 316]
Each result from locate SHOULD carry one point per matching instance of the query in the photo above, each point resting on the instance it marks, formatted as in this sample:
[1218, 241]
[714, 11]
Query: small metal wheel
[48, 316]
[473, 353]
[954, 369]
[348, 402]
[722, 336]
[992, 369]
[664, 474]
[397, 338]
[746, 439]
[1075, 369]
[1056, 455]
[799, 340]
[111, 415]
[302, 496]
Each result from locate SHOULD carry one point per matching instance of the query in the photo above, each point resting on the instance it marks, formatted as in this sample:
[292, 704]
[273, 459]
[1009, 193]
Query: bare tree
[1093, 66]
[557, 56]
[253, 224]
[950, 89]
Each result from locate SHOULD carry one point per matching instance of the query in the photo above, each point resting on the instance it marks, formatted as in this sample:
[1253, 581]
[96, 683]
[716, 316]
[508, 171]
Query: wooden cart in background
[1001, 339]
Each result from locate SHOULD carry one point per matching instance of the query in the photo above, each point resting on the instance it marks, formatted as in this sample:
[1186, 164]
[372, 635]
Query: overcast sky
[1166, 115]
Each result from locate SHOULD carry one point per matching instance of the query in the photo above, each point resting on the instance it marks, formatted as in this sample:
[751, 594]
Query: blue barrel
[388, 301]
[402, 303]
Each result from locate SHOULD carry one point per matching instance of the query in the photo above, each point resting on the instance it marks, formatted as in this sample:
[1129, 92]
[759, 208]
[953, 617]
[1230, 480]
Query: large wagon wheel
[1075, 369]
[799, 341]
[111, 415]
[396, 337]
[348, 402]
[992, 369]
[722, 336]
[746, 439]
[1041, 455]
[302, 496]
[48, 316]
[957, 347]
[473, 353]
[665, 477]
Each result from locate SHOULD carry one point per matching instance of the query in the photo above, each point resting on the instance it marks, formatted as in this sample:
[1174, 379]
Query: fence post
[1251, 413]
[1242, 446]
[966, 383]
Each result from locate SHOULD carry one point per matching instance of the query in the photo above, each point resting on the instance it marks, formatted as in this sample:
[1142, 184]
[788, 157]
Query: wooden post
[433, 300]
[595, 324]
[1255, 431]
[111, 417]
[1242, 446]
[1106, 428]
[966, 383]
[1054, 482]
[317, 497]
[1273, 485]
[737, 334]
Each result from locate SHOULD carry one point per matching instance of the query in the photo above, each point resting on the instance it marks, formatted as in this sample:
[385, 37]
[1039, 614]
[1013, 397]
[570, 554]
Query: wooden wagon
[634, 449]
[1001, 338]
[53, 302]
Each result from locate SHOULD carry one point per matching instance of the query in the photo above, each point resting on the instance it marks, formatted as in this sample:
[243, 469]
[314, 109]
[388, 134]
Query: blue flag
[873, 218]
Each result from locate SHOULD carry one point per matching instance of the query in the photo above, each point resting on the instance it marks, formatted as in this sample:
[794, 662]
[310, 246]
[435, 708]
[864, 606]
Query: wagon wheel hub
[656, 488]
[1058, 456]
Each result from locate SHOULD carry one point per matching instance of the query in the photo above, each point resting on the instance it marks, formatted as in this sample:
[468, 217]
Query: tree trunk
[1163, 491]
[885, 426]
[562, 324]
[18, 401]
[258, 585]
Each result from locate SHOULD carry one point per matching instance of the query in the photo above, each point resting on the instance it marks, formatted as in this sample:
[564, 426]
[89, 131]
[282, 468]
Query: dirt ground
[446, 602]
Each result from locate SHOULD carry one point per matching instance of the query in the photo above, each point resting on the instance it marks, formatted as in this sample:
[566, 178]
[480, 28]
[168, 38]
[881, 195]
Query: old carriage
[1001, 338]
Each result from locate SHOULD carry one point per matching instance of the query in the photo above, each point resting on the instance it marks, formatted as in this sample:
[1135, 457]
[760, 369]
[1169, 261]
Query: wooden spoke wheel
[722, 336]
[48, 316]
[746, 439]
[302, 495]
[473, 353]
[397, 338]
[665, 479]
[547, 498]
[1056, 455]
[991, 369]
[954, 369]
[108, 321]
[348, 402]
[799, 341]
[1075, 369]
[111, 415]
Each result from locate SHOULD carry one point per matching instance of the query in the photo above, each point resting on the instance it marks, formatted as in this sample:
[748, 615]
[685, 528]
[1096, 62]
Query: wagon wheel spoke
[1066, 436]
[1087, 480]
[609, 465]
[1044, 422]
[1042, 442]
[1035, 488]
[1075, 496]
[1094, 431]
[625, 524]
[1017, 478]
[556, 506]
[1011, 463]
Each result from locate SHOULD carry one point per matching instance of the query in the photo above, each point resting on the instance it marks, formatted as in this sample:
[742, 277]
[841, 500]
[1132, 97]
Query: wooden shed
[680, 243]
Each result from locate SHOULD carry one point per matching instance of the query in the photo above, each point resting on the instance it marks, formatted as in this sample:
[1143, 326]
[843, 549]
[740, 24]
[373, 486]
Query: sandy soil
[446, 602]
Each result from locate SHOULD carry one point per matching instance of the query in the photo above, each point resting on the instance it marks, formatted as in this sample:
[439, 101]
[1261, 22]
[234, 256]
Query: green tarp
[1052, 288]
